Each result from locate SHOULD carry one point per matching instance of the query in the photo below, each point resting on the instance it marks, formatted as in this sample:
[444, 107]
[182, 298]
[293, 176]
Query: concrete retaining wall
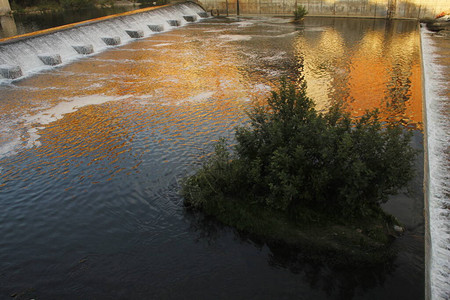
[4, 7]
[358, 8]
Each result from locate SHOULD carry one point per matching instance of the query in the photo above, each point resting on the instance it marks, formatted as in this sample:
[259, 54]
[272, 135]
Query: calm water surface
[92, 154]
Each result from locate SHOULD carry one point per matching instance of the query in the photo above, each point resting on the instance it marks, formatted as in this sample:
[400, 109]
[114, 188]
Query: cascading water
[31, 53]
[438, 141]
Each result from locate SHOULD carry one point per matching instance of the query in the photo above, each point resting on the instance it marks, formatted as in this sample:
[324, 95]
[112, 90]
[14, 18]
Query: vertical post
[8, 25]
[5, 8]
[237, 7]
[376, 6]
[226, 3]
[392, 5]
[296, 6]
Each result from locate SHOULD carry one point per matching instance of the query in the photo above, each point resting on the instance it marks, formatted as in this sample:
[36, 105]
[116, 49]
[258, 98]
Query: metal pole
[376, 5]
[237, 7]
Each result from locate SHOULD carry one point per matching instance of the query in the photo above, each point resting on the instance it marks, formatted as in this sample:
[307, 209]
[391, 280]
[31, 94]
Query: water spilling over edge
[31, 53]
[438, 189]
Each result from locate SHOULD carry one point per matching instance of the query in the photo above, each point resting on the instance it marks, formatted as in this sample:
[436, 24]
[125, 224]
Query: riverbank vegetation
[308, 180]
[36, 6]
[300, 12]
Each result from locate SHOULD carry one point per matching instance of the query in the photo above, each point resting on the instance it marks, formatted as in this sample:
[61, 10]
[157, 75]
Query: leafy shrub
[292, 158]
[300, 12]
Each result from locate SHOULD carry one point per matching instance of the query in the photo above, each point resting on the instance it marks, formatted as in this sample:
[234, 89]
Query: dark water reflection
[92, 154]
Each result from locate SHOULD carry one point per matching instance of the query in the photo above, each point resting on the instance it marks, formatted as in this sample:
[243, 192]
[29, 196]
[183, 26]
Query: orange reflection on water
[156, 96]
[158, 91]
[383, 71]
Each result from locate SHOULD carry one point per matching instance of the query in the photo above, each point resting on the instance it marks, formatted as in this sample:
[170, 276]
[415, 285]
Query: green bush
[292, 158]
[300, 12]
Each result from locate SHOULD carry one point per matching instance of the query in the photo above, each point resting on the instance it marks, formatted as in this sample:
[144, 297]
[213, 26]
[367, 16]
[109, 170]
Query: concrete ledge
[135, 34]
[25, 36]
[156, 28]
[174, 23]
[190, 18]
[111, 41]
[204, 14]
[10, 72]
[5, 8]
[50, 59]
[84, 49]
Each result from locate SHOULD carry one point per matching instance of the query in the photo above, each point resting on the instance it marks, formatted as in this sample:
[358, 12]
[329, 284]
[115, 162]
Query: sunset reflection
[162, 100]
[383, 72]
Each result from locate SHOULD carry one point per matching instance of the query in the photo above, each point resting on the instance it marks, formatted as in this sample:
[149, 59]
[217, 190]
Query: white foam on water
[27, 136]
[197, 98]
[244, 24]
[261, 87]
[9, 148]
[57, 112]
[215, 30]
[286, 34]
[315, 29]
[235, 37]
[438, 141]
[162, 44]
[279, 56]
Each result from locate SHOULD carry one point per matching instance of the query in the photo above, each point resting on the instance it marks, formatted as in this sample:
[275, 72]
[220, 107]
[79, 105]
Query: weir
[28, 53]
[437, 188]
[389, 9]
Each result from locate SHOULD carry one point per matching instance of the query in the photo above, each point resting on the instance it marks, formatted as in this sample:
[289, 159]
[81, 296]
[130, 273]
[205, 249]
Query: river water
[92, 153]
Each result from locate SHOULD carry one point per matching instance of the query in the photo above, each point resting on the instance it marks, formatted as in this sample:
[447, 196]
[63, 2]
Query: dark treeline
[53, 4]
[19, 5]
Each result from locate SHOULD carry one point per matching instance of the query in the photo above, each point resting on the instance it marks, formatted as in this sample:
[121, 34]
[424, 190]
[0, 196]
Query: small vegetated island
[307, 180]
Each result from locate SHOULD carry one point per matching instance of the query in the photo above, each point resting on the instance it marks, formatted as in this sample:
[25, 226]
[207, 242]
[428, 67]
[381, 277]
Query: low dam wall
[355, 8]
[28, 53]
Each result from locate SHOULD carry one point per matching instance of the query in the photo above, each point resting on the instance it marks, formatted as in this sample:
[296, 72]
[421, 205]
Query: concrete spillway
[29, 53]
[436, 77]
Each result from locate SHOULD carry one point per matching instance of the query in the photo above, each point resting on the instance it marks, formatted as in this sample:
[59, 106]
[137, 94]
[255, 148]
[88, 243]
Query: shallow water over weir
[91, 155]
[436, 61]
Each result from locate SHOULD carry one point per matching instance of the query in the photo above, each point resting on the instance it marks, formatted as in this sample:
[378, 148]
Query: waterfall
[437, 106]
[24, 55]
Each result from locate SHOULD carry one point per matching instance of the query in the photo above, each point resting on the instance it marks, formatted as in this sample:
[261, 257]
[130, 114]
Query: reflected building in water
[383, 70]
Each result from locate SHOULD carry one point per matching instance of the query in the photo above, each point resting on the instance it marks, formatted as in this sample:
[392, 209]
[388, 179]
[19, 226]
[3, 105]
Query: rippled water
[92, 154]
